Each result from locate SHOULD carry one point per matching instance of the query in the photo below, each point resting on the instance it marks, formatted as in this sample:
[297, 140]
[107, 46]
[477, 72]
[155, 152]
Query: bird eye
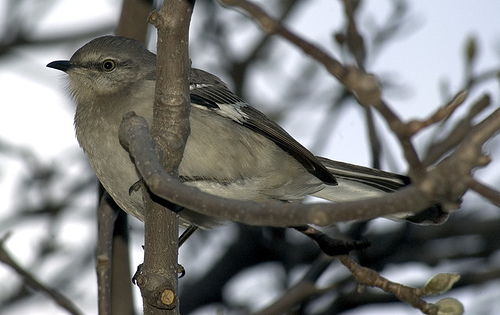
[108, 65]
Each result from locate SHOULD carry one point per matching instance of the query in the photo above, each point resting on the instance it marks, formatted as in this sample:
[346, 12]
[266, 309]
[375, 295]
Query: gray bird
[233, 150]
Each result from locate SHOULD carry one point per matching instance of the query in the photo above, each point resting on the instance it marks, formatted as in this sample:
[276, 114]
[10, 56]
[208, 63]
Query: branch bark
[158, 276]
[135, 136]
[106, 218]
[133, 19]
[404, 293]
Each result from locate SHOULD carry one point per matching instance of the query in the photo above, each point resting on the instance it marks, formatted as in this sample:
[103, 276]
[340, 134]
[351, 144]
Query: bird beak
[63, 65]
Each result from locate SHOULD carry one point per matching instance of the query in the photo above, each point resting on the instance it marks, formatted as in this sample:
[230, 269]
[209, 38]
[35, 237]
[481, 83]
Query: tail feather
[358, 182]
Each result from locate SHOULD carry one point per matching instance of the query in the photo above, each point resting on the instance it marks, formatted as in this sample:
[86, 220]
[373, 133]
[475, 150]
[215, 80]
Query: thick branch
[158, 276]
[171, 111]
[133, 19]
[135, 136]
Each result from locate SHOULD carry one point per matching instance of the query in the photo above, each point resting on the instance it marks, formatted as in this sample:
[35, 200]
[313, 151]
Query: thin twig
[414, 126]
[416, 168]
[271, 26]
[485, 191]
[438, 149]
[305, 289]
[364, 86]
[355, 43]
[369, 277]
[354, 39]
[106, 217]
[31, 281]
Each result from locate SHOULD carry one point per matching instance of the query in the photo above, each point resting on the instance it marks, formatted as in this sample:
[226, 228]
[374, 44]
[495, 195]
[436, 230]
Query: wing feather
[210, 93]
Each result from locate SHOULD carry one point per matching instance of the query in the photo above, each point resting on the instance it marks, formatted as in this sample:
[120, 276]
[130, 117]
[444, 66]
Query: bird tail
[358, 182]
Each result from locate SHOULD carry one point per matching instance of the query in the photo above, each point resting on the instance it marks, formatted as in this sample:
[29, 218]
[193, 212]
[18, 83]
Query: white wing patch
[233, 111]
[194, 86]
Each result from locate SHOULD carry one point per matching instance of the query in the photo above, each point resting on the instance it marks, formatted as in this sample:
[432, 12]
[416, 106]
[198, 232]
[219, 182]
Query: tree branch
[106, 217]
[414, 126]
[158, 276]
[135, 137]
[133, 19]
[31, 281]
[485, 191]
[362, 85]
[457, 134]
[304, 289]
[371, 278]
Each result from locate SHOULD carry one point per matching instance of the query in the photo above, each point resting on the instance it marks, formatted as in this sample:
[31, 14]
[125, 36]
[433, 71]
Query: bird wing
[211, 93]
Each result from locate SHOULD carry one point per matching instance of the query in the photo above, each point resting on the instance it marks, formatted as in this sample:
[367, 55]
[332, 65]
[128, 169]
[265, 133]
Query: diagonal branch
[303, 290]
[458, 133]
[370, 277]
[271, 26]
[440, 114]
[31, 281]
[362, 85]
[485, 191]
